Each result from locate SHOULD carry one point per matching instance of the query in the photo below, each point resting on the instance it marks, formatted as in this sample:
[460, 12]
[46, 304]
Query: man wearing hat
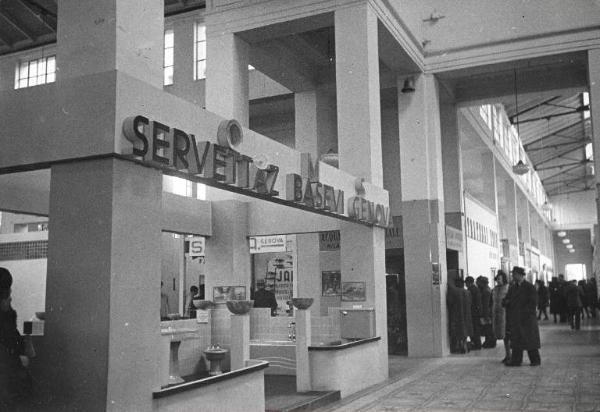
[521, 303]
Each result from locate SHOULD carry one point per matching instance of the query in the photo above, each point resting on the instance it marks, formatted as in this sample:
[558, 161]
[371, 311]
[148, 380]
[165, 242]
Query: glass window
[199, 51]
[35, 72]
[168, 57]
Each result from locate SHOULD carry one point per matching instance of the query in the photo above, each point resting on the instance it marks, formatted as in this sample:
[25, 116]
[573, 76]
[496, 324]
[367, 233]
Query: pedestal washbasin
[239, 307]
[302, 303]
[215, 354]
[175, 336]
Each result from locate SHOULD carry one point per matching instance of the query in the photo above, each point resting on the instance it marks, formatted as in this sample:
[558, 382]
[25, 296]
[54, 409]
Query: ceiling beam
[516, 115]
[17, 26]
[546, 179]
[40, 13]
[564, 152]
[557, 145]
[580, 162]
[576, 110]
[555, 133]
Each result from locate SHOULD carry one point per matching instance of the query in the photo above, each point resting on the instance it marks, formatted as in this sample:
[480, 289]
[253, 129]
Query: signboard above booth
[222, 165]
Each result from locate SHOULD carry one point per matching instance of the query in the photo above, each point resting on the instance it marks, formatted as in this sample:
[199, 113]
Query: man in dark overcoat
[521, 303]
[475, 312]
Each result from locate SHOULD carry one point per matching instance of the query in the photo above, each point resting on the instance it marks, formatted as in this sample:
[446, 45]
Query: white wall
[29, 279]
[574, 210]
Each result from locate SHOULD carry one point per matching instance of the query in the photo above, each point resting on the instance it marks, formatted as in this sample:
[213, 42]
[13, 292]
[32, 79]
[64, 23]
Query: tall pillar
[101, 341]
[97, 36]
[509, 226]
[314, 123]
[227, 87]
[227, 250]
[594, 90]
[357, 84]
[452, 165]
[423, 218]
[362, 248]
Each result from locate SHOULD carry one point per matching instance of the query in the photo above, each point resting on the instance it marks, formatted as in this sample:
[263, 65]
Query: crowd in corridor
[480, 316]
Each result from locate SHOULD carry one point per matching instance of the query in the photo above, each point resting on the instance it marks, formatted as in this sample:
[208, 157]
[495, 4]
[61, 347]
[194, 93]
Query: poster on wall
[354, 291]
[280, 274]
[329, 241]
[331, 283]
[222, 294]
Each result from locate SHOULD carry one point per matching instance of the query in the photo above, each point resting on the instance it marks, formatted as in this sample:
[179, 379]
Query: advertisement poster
[354, 291]
[332, 283]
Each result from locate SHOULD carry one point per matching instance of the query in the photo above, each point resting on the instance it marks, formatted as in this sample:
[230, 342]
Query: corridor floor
[567, 380]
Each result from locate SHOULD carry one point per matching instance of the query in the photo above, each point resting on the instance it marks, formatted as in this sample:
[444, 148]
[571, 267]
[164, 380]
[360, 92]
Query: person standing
[264, 298]
[499, 313]
[475, 312]
[486, 313]
[456, 320]
[555, 298]
[521, 303]
[574, 304]
[542, 292]
[15, 380]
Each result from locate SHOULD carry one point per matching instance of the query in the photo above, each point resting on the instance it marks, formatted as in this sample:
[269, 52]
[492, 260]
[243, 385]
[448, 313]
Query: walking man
[521, 303]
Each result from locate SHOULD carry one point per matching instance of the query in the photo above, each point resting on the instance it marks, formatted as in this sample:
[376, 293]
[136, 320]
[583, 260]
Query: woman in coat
[521, 303]
[499, 313]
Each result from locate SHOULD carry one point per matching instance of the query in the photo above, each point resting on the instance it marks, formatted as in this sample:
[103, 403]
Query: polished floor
[567, 380]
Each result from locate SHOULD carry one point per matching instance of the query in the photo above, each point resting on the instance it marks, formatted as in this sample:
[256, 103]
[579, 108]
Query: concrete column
[452, 165]
[362, 256]
[227, 75]
[240, 341]
[509, 225]
[101, 342]
[423, 217]
[357, 84]
[362, 248]
[227, 251]
[315, 127]
[96, 36]
[488, 179]
[594, 90]
[303, 341]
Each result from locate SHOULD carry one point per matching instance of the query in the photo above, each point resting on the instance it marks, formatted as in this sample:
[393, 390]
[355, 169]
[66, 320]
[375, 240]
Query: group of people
[506, 312]
[570, 301]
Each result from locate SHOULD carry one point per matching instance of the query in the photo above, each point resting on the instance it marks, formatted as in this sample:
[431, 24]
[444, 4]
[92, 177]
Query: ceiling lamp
[520, 168]
[546, 206]
[569, 246]
[565, 241]
[571, 250]
[562, 233]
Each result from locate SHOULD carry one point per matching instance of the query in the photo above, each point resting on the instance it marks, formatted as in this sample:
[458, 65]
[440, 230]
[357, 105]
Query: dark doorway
[396, 302]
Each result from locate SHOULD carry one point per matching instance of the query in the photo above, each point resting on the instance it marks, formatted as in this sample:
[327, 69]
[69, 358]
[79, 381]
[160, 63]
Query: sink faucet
[292, 331]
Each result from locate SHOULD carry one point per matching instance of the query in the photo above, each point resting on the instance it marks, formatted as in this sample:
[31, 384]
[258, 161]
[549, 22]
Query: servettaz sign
[170, 148]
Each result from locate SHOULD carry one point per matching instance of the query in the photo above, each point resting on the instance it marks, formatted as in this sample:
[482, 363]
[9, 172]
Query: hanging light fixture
[546, 206]
[566, 241]
[409, 85]
[571, 250]
[562, 233]
[569, 246]
[520, 168]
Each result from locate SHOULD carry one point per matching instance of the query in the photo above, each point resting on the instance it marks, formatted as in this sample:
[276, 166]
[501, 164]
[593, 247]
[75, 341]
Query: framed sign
[331, 283]
[222, 294]
[354, 291]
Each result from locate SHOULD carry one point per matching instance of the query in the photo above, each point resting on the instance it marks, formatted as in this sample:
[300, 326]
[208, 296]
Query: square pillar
[303, 341]
[357, 85]
[423, 218]
[315, 123]
[240, 341]
[227, 250]
[227, 87]
[102, 334]
[96, 36]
